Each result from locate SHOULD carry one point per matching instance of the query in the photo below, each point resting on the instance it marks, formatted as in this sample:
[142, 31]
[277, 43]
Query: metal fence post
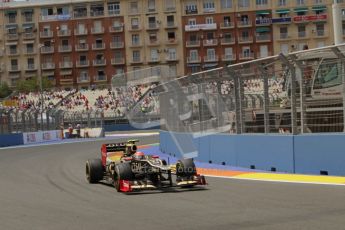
[293, 103]
[9, 120]
[264, 74]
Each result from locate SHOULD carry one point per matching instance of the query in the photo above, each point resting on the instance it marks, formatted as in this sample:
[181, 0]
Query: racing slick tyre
[94, 170]
[185, 168]
[123, 171]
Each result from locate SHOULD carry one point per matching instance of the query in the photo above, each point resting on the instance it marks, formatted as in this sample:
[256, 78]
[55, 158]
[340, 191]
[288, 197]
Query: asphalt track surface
[45, 188]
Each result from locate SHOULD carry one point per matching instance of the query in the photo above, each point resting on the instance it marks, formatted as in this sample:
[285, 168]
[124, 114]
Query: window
[113, 8]
[170, 5]
[228, 52]
[281, 2]
[47, 11]
[209, 20]
[320, 29]
[246, 51]
[135, 23]
[171, 36]
[261, 2]
[14, 64]
[226, 4]
[136, 55]
[97, 10]
[211, 54]
[154, 55]
[209, 6]
[170, 20]
[62, 10]
[28, 16]
[135, 39]
[192, 21]
[193, 55]
[317, 1]
[243, 3]
[301, 31]
[153, 37]
[151, 5]
[30, 48]
[133, 7]
[80, 11]
[172, 71]
[13, 49]
[283, 32]
[263, 51]
[191, 7]
[284, 48]
[300, 2]
[172, 54]
[152, 22]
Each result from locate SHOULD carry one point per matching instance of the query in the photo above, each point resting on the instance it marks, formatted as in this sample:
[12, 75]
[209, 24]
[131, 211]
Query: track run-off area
[44, 187]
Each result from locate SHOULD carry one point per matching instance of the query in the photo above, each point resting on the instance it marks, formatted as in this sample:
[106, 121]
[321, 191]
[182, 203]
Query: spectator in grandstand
[70, 131]
[78, 127]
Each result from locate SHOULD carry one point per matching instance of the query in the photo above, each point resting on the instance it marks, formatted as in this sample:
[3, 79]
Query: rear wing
[117, 147]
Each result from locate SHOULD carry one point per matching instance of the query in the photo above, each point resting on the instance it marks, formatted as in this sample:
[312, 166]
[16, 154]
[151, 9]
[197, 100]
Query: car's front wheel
[94, 170]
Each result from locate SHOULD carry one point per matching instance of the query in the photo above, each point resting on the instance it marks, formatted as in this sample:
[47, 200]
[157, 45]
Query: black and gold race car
[129, 170]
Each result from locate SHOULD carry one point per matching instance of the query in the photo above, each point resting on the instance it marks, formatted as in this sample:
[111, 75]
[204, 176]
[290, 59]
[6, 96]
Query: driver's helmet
[138, 156]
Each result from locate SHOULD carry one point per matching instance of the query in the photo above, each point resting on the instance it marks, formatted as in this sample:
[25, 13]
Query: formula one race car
[129, 170]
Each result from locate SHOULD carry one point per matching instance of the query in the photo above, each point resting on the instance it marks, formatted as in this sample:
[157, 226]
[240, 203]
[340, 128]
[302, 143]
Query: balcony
[170, 25]
[210, 42]
[263, 38]
[228, 57]
[213, 58]
[136, 44]
[29, 35]
[64, 33]
[97, 13]
[243, 40]
[47, 50]
[98, 46]
[79, 32]
[246, 56]
[12, 52]
[227, 41]
[46, 34]
[136, 60]
[48, 65]
[197, 27]
[302, 35]
[82, 47]
[170, 8]
[14, 68]
[117, 61]
[97, 30]
[320, 34]
[80, 14]
[153, 43]
[99, 62]
[100, 78]
[227, 25]
[116, 29]
[242, 24]
[152, 26]
[151, 10]
[134, 28]
[66, 65]
[283, 36]
[117, 45]
[153, 60]
[83, 79]
[83, 63]
[30, 67]
[263, 54]
[29, 51]
[171, 57]
[193, 43]
[13, 36]
[171, 41]
[65, 48]
[193, 59]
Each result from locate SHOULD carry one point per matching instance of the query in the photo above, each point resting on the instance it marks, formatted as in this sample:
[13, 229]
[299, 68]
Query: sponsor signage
[212, 26]
[263, 21]
[41, 136]
[308, 18]
[281, 20]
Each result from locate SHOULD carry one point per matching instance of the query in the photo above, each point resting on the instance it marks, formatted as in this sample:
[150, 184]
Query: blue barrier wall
[123, 127]
[306, 154]
[11, 139]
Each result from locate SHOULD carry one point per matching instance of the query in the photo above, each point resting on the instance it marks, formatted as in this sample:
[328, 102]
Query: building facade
[84, 43]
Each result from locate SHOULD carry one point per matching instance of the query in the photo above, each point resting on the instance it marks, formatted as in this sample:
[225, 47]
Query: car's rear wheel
[123, 171]
[94, 170]
[185, 168]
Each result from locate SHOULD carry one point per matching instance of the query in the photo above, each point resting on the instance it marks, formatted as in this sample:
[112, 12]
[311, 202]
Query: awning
[263, 29]
[262, 12]
[193, 65]
[27, 11]
[283, 11]
[319, 8]
[48, 73]
[301, 9]
[66, 72]
[9, 27]
[11, 12]
[209, 65]
[28, 25]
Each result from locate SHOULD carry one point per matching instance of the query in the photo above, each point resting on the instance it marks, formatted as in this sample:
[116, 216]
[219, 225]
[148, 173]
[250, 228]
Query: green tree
[33, 84]
[5, 90]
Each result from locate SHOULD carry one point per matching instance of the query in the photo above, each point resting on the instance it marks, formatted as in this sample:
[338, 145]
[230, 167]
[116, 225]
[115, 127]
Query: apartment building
[217, 33]
[302, 23]
[83, 43]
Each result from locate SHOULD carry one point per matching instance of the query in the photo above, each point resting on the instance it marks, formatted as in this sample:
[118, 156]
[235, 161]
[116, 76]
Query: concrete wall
[11, 139]
[306, 154]
[122, 127]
